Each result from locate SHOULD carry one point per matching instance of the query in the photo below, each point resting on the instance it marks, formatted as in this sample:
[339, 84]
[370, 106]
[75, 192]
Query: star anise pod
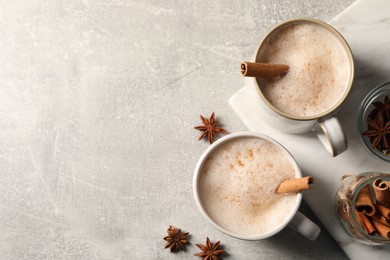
[175, 239]
[381, 107]
[210, 251]
[378, 131]
[209, 128]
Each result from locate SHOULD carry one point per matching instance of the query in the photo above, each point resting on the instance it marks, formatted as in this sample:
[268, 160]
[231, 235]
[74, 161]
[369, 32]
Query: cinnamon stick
[295, 185]
[263, 70]
[365, 222]
[381, 219]
[382, 230]
[382, 192]
[383, 211]
[364, 203]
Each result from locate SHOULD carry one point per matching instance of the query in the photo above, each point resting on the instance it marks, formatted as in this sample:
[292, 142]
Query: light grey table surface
[98, 100]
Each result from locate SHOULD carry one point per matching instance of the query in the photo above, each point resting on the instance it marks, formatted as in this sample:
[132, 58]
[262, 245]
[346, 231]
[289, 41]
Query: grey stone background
[98, 100]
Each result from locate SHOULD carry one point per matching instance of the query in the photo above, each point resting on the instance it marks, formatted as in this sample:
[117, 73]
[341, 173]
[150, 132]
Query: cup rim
[197, 173]
[344, 43]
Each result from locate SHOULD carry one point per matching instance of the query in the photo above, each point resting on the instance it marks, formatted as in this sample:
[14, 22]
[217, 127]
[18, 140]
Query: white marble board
[366, 27]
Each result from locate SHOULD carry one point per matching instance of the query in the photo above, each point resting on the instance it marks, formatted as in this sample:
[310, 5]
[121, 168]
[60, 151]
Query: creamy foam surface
[237, 186]
[319, 70]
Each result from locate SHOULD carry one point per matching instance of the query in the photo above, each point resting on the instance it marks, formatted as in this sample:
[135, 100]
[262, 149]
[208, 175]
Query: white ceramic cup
[326, 125]
[295, 220]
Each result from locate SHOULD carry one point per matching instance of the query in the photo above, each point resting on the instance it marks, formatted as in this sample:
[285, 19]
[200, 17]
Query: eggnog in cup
[237, 186]
[319, 70]
[319, 79]
[235, 183]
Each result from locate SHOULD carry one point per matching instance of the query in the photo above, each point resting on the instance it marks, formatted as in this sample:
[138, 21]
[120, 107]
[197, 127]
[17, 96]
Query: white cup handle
[304, 226]
[331, 135]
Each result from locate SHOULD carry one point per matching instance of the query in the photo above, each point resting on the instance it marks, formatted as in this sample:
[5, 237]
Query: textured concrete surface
[98, 100]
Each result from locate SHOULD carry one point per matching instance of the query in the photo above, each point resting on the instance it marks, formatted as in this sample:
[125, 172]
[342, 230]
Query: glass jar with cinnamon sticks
[362, 205]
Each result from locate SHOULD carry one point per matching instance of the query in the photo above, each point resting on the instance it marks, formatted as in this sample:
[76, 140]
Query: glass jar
[378, 94]
[345, 204]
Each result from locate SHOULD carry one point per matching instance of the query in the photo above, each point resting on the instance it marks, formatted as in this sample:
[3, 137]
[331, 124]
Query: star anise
[378, 131]
[209, 128]
[381, 108]
[175, 239]
[210, 251]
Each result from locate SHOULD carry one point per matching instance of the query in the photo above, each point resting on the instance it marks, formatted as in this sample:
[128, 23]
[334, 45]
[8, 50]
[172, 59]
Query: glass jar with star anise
[374, 121]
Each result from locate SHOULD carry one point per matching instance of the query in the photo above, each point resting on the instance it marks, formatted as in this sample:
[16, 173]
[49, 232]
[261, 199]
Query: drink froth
[319, 73]
[237, 186]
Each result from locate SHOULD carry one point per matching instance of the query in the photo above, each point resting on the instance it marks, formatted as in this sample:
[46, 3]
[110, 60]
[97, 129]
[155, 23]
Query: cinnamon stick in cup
[263, 70]
[382, 192]
[364, 203]
[295, 185]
